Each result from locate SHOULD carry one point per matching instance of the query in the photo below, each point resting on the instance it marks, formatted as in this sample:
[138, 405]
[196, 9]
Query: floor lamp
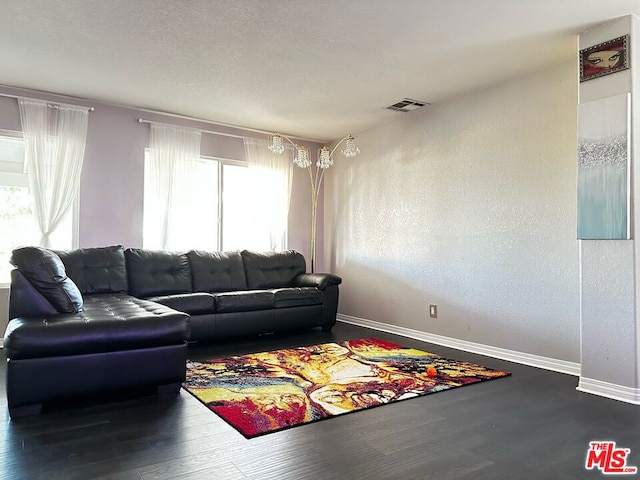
[325, 160]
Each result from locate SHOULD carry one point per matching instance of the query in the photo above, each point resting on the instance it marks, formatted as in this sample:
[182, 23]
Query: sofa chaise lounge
[97, 319]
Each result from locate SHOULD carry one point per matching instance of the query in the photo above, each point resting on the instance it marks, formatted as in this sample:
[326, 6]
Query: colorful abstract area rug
[266, 392]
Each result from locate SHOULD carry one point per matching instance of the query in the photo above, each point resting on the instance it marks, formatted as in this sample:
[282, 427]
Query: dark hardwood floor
[532, 425]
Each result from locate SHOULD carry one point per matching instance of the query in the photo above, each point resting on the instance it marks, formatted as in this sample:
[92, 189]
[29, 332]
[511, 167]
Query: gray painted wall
[469, 204]
[610, 327]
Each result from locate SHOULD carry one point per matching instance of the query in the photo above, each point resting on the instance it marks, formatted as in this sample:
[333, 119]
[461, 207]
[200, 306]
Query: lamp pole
[316, 175]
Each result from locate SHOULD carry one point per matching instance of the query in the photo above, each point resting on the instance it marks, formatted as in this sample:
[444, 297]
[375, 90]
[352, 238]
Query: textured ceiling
[316, 69]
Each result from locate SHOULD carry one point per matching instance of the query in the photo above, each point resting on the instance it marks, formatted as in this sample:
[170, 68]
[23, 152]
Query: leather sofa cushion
[109, 322]
[97, 270]
[45, 271]
[244, 301]
[272, 269]
[191, 303]
[296, 297]
[217, 271]
[157, 272]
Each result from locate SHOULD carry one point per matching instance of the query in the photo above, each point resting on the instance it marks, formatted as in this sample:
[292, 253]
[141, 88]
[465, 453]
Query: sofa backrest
[272, 269]
[63, 277]
[217, 271]
[97, 270]
[157, 272]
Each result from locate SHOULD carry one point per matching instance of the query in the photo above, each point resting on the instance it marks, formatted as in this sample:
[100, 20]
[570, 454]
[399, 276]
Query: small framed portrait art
[604, 58]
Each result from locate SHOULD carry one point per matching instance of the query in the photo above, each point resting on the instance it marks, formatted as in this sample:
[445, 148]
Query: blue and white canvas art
[603, 168]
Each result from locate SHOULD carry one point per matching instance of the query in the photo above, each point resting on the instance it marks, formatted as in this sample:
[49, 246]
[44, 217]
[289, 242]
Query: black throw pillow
[46, 272]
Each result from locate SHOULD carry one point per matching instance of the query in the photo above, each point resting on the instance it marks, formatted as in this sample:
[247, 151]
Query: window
[209, 210]
[17, 220]
[235, 209]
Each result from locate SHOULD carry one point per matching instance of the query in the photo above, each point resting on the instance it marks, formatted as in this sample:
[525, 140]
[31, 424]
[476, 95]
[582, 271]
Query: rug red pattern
[265, 392]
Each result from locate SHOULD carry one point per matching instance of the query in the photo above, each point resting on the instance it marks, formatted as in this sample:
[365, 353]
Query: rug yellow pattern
[265, 392]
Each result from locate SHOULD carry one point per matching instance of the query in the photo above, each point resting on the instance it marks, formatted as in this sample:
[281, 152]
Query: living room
[468, 203]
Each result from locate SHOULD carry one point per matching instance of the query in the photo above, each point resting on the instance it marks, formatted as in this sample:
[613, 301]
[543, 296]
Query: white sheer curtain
[55, 137]
[173, 152]
[269, 193]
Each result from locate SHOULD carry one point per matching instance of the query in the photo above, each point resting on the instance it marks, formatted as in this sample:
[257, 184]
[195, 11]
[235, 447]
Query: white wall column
[609, 269]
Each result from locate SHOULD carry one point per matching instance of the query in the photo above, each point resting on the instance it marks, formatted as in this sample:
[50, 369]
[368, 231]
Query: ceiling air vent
[407, 105]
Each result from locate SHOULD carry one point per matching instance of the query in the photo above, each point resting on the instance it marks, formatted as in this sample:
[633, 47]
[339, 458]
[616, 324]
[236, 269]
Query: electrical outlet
[433, 311]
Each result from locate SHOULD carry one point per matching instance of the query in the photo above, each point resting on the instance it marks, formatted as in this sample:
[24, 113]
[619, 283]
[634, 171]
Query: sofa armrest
[319, 280]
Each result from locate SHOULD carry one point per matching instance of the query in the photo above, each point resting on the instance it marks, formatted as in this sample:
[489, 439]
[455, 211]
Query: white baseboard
[562, 366]
[609, 390]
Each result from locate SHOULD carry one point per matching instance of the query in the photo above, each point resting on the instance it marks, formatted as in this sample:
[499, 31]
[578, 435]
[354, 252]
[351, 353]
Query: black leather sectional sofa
[96, 319]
